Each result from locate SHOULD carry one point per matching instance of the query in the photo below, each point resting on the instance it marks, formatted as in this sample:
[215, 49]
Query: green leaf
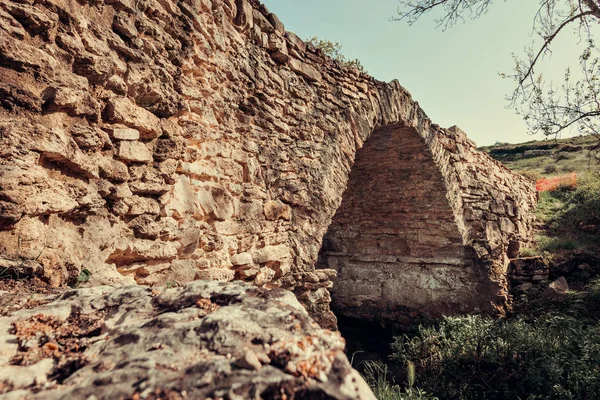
[84, 275]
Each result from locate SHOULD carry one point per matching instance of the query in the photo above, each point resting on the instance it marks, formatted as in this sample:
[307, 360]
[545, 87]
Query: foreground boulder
[203, 340]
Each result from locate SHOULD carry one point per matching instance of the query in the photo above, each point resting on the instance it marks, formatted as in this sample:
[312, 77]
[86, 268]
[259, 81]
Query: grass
[582, 205]
[570, 218]
[551, 244]
[376, 374]
[567, 215]
[476, 357]
[529, 252]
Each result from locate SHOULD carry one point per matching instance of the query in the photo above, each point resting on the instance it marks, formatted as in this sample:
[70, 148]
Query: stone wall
[157, 141]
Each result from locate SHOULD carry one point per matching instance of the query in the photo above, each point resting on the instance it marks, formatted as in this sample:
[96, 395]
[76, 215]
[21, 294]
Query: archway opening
[394, 240]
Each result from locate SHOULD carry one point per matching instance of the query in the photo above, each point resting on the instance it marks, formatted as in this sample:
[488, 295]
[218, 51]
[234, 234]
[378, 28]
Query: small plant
[376, 375]
[594, 291]
[15, 270]
[568, 168]
[84, 276]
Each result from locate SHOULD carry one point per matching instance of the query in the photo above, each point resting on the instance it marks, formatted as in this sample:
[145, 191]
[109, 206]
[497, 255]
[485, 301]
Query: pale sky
[452, 74]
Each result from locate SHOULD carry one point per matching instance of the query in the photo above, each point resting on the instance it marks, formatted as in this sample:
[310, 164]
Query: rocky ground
[202, 340]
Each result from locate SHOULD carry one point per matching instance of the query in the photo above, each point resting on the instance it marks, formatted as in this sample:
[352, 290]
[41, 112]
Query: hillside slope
[542, 158]
[568, 228]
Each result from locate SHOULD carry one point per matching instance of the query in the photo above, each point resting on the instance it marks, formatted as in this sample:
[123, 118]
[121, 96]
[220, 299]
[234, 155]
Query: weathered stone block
[142, 205]
[113, 170]
[125, 27]
[180, 201]
[134, 152]
[122, 110]
[278, 48]
[189, 242]
[73, 101]
[120, 192]
[275, 210]
[306, 70]
[216, 274]
[261, 22]
[244, 19]
[203, 327]
[123, 133]
[97, 69]
[277, 24]
[215, 201]
[242, 259]
[557, 290]
[56, 146]
[529, 266]
[271, 253]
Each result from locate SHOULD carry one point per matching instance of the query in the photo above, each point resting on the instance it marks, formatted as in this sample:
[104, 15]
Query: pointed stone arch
[395, 240]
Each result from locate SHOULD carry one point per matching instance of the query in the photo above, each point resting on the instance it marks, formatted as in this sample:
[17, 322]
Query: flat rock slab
[203, 340]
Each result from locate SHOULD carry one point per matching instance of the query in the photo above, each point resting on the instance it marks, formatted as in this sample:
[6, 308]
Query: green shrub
[481, 358]
[528, 252]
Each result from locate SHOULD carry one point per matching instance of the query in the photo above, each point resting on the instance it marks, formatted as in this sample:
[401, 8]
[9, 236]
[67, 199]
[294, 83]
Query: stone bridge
[162, 141]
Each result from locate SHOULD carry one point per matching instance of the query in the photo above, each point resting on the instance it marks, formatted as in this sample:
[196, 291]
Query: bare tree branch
[548, 40]
[546, 109]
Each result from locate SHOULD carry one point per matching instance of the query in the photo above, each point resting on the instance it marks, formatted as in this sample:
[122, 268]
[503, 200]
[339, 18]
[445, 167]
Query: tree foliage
[547, 108]
[334, 50]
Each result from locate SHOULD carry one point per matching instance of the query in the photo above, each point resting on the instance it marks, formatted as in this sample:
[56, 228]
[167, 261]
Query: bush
[568, 168]
[481, 358]
[528, 252]
[562, 156]
[550, 169]
[531, 174]
[593, 295]
[334, 50]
